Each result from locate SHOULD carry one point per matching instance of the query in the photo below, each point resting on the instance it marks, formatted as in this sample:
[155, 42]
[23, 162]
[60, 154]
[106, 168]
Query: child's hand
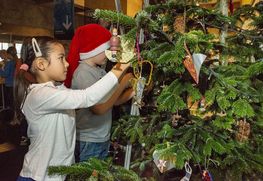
[120, 69]
[126, 80]
[122, 66]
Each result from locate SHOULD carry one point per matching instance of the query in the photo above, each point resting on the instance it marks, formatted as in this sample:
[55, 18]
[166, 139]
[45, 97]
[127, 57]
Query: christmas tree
[201, 109]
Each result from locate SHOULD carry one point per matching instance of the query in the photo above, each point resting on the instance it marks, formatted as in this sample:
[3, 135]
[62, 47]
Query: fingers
[120, 69]
[123, 66]
[126, 80]
[128, 76]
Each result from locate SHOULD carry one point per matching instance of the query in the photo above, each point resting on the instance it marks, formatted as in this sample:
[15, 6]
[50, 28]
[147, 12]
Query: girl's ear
[40, 64]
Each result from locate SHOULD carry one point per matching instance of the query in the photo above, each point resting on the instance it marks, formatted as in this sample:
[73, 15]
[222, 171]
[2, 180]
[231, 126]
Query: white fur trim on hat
[95, 51]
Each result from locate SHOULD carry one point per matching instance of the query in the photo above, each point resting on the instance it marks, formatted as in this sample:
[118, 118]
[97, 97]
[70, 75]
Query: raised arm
[53, 99]
[104, 107]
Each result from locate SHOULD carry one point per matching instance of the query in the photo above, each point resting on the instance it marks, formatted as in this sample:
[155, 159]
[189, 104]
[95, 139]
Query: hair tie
[36, 48]
[24, 67]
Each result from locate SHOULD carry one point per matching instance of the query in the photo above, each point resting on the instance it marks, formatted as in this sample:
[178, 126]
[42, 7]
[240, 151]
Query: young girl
[49, 107]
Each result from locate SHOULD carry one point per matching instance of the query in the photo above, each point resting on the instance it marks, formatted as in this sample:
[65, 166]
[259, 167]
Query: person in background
[7, 72]
[3, 59]
[3, 54]
[13, 52]
[49, 107]
[23, 124]
[94, 123]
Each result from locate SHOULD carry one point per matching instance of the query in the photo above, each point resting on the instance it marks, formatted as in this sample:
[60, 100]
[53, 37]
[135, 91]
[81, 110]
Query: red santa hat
[88, 41]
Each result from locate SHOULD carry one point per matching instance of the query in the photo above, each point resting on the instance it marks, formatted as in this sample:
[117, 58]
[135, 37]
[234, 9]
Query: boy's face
[100, 59]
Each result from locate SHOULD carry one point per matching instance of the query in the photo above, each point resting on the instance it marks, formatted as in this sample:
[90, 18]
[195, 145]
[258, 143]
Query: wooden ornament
[179, 24]
[243, 131]
[115, 43]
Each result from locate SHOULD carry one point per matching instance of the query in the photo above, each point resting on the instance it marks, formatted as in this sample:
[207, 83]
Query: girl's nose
[66, 63]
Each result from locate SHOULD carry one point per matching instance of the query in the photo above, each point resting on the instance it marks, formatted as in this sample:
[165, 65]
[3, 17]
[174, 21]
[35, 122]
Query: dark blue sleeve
[8, 69]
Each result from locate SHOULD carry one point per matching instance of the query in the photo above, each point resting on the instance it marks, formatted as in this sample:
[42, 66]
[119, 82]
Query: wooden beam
[43, 1]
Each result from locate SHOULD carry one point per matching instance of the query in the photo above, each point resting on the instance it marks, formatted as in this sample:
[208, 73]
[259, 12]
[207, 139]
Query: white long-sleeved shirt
[49, 111]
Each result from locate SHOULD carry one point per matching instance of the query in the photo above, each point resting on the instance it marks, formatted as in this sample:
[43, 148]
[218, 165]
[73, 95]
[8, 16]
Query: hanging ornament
[127, 51]
[115, 43]
[162, 165]
[188, 171]
[179, 24]
[193, 63]
[175, 119]
[124, 54]
[206, 176]
[139, 85]
[138, 70]
[243, 131]
[139, 81]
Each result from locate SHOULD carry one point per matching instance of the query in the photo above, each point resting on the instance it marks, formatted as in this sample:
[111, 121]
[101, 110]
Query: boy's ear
[40, 63]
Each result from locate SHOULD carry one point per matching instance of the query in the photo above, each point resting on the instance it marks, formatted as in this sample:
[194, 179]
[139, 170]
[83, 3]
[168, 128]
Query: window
[18, 49]
[4, 46]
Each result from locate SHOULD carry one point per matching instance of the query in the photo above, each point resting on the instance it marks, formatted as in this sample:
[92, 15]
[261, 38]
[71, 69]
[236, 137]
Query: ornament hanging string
[118, 22]
[138, 72]
[138, 48]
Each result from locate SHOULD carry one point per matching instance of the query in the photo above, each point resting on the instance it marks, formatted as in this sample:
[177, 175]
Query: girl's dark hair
[21, 83]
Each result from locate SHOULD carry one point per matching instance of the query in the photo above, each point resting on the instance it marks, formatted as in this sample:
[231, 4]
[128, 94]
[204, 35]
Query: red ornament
[206, 176]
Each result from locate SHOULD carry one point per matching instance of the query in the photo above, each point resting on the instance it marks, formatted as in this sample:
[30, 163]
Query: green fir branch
[114, 17]
[242, 108]
[224, 122]
[85, 171]
[255, 69]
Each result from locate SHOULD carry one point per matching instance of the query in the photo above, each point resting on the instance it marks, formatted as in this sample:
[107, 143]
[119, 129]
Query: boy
[94, 124]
